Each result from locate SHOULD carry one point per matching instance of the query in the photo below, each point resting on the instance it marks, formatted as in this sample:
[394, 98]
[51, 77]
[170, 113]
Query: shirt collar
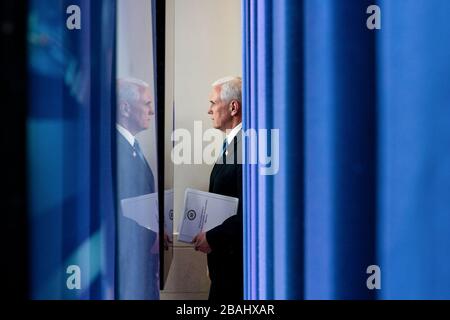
[233, 133]
[126, 134]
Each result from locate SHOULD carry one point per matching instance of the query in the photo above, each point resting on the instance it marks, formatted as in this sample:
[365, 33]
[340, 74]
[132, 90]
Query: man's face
[142, 110]
[218, 110]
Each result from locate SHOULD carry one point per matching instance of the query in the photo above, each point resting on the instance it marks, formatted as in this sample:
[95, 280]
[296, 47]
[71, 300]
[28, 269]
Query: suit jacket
[138, 266]
[225, 262]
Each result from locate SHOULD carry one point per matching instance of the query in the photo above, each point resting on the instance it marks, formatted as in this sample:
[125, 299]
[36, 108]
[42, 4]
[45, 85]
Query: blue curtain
[70, 146]
[364, 175]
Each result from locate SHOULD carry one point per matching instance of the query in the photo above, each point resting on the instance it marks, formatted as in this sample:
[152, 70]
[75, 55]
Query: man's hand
[201, 244]
[167, 241]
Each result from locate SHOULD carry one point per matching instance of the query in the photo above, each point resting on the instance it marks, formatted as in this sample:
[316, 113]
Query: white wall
[208, 46]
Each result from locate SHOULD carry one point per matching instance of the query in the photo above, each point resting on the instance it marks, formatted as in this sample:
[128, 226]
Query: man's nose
[210, 111]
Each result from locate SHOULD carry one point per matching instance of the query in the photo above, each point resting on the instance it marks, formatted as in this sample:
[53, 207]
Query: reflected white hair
[230, 89]
[128, 90]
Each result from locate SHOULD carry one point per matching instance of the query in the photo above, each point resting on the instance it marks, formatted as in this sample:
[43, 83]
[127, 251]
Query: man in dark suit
[138, 255]
[224, 243]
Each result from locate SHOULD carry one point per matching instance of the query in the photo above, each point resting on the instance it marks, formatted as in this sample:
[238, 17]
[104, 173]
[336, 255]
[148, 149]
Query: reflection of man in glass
[138, 263]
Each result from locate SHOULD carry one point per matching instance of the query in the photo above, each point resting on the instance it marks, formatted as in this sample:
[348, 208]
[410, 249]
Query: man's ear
[235, 107]
[124, 109]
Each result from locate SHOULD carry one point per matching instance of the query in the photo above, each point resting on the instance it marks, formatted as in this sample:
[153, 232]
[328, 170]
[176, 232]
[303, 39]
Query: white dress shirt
[126, 134]
[233, 133]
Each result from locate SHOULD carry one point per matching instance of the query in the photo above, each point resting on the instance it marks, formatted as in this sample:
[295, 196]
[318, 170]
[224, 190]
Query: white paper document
[204, 211]
[143, 210]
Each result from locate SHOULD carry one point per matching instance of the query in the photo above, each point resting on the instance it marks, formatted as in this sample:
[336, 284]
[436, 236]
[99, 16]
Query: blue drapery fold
[414, 150]
[270, 64]
[364, 123]
[70, 147]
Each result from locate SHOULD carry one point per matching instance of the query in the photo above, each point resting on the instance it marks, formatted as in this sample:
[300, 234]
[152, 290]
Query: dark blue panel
[70, 123]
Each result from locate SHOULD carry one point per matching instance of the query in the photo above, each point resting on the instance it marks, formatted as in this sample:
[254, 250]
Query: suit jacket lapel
[230, 159]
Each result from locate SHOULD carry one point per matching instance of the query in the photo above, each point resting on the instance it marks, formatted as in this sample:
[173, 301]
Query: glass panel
[137, 160]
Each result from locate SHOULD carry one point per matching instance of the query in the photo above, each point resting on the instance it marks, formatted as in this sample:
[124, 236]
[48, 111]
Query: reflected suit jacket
[137, 265]
[225, 262]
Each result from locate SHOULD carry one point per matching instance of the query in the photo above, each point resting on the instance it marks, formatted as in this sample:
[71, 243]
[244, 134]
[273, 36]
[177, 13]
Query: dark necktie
[224, 149]
[138, 151]
[224, 146]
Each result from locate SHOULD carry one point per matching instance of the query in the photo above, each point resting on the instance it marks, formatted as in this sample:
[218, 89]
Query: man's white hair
[230, 88]
[128, 89]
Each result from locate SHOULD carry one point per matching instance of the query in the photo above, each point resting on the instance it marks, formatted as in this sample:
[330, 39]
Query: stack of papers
[143, 210]
[204, 211]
